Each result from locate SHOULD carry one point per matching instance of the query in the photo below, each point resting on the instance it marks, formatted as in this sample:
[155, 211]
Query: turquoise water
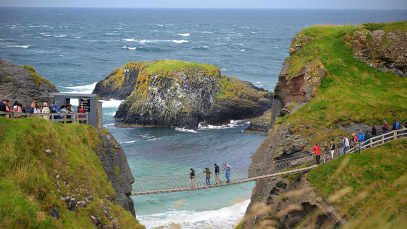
[75, 48]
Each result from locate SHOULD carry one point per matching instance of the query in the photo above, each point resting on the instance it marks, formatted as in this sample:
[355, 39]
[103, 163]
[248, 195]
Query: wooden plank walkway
[370, 143]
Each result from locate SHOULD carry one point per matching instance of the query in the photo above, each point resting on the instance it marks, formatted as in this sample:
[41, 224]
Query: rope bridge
[178, 183]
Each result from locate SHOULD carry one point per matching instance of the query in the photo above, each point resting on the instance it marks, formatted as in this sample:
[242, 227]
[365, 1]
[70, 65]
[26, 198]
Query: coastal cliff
[323, 92]
[62, 176]
[23, 84]
[169, 93]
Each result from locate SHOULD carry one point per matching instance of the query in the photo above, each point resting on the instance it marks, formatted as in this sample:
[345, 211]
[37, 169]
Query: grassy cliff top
[369, 189]
[160, 68]
[38, 79]
[351, 90]
[28, 175]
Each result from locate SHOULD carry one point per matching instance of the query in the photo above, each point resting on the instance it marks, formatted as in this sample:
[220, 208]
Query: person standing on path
[361, 136]
[208, 176]
[217, 174]
[317, 151]
[227, 173]
[346, 142]
[341, 146]
[45, 110]
[332, 148]
[192, 178]
[384, 130]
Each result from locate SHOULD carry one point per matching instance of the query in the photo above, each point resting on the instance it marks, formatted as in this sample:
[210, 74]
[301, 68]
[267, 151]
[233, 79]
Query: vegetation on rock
[38, 79]
[33, 181]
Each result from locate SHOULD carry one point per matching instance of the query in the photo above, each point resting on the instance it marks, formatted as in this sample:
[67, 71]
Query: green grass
[351, 90]
[178, 65]
[27, 178]
[378, 182]
[38, 79]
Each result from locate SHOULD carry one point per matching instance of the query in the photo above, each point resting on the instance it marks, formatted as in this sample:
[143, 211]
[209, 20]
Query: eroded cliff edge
[322, 92]
[170, 93]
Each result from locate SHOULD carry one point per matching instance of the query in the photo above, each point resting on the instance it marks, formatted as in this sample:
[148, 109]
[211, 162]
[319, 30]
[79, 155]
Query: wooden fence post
[13, 116]
[87, 118]
[76, 117]
[52, 117]
[64, 118]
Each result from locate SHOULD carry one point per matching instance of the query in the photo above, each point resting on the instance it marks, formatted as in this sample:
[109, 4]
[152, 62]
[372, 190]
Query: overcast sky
[262, 4]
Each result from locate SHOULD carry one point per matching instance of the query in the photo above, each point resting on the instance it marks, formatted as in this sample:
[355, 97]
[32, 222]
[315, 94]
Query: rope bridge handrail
[180, 182]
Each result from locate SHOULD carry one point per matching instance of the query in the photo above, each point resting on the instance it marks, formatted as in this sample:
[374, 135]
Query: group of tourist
[208, 172]
[34, 108]
[345, 144]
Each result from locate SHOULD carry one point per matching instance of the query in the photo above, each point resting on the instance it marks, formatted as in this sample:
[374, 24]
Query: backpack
[30, 110]
[52, 109]
[397, 125]
[387, 125]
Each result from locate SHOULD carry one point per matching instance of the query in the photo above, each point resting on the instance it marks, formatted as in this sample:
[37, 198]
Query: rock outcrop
[381, 50]
[23, 84]
[181, 94]
[261, 124]
[114, 162]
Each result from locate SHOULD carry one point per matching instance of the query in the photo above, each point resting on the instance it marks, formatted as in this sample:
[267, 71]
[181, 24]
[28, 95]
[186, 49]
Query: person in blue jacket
[361, 136]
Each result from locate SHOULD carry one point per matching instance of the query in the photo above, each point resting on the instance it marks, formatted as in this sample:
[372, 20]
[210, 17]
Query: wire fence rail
[301, 163]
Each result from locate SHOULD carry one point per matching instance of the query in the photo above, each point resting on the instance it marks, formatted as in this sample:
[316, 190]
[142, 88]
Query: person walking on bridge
[332, 148]
[208, 176]
[227, 173]
[192, 178]
[217, 174]
[346, 142]
[317, 151]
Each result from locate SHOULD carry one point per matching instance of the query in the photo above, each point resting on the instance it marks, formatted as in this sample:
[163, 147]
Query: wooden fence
[52, 117]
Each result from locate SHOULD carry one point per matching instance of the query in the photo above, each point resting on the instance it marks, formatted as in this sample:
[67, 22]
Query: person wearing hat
[45, 110]
[192, 177]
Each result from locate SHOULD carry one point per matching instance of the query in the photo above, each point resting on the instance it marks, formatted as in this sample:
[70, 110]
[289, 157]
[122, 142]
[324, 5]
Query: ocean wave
[185, 130]
[184, 34]
[111, 103]
[179, 41]
[21, 46]
[200, 48]
[87, 89]
[232, 124]
[227, 217]
[206, 32]
[61, 35]
[128, 142]
[130, 48]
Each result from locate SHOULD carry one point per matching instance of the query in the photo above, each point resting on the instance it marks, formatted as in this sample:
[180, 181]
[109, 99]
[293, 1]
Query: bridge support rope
[178, 183]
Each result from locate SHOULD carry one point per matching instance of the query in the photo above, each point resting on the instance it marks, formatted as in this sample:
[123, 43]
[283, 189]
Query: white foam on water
[242, 50]
[232, 124]
[184, 34]
[128, 142]
[206, 32]
[131, 39]
[61, 35]
[77, 37]
[185, 130]
[179, 41]
[22, 46]
[87, 89]
[111, 103]
[227, 217]
[132, 48]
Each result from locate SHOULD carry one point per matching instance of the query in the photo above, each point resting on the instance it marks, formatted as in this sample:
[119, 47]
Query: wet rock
[261, 124]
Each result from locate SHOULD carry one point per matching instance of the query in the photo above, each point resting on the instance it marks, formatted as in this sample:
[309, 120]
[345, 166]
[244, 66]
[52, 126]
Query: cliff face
[385, 51]
[23, 84]
[120, 83]
[182, 94]
[321, 86]
[114, 162]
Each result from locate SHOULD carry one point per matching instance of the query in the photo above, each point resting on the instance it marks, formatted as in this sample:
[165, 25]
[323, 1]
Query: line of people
[345, 144]
[208, 173]
[34, 108]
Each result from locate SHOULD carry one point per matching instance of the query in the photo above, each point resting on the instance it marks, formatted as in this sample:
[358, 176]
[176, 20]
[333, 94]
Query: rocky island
[336, 81]
[172, 93]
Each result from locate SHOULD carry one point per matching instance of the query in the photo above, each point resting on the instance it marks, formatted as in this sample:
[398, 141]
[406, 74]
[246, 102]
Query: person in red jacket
[317, 151]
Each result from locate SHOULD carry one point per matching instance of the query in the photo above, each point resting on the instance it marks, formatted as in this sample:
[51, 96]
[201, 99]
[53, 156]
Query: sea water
[75, 48]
